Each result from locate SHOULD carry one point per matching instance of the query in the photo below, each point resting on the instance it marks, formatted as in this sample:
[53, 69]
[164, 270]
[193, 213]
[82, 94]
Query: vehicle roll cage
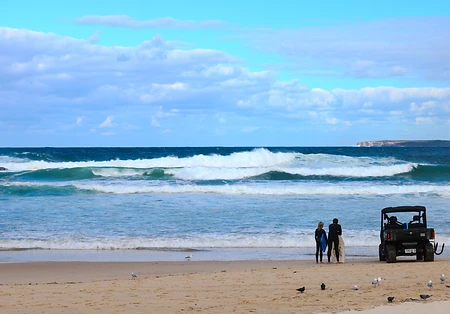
[421, 210]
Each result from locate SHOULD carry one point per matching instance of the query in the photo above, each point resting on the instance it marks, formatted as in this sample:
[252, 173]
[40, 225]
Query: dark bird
[390, 299]
[447, 286]
[322, 286]
[301, 289]
[424, 296]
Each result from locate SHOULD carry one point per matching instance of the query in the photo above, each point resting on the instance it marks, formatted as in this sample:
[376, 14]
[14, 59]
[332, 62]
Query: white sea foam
[232, 167]
[204, 173]
[247, 188]
[211, 241]
[267, 189]
[352, 239]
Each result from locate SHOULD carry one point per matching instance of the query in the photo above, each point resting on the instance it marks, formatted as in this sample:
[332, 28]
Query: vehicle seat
[415, 223]
[393, 223]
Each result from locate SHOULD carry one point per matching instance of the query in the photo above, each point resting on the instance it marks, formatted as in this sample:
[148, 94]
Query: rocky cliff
[400, 143]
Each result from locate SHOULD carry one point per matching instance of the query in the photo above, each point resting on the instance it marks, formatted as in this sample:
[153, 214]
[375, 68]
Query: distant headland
[413, 143]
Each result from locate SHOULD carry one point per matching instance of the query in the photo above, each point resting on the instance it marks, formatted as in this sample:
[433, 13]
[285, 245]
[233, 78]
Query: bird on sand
[390, 299]
[425, 296]
[430, 284]
[355, 287]
[133, 275]
[322, 286]
[301, 289]
[442, 278]
[374, 282]
[189, 257]
[378, 280]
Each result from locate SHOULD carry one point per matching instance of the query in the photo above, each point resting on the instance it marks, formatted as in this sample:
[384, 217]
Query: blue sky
[223, 73]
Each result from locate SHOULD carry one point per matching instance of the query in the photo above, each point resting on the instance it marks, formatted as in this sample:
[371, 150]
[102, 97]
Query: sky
[223, 73]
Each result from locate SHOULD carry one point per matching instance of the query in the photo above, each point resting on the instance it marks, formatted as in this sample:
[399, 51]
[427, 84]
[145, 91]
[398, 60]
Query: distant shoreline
[404, 143]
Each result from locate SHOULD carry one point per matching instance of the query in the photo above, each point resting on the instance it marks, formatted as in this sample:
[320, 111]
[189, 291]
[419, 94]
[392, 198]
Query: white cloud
[249, 129]
[126, 21]
[108, 134]
[424, 120]
[389, 47]
[107, 123]
[56, 78]
[155, 123]
[398, 70]
[332, 120]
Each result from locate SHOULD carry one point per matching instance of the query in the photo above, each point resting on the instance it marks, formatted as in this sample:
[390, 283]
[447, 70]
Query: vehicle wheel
[381, 253]
[391, 254]
[429, 253]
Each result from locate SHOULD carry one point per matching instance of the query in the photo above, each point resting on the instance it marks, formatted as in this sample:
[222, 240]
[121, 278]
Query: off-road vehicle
[404, 232]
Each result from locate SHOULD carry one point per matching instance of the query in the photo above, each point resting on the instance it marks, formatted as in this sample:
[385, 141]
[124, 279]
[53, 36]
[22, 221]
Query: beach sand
[223, 287]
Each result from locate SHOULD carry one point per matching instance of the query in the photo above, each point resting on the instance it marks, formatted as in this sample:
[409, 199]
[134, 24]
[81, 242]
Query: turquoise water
[222, 203]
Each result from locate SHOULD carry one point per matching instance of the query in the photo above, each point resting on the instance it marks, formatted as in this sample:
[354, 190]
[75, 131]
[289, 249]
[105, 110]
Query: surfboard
[323, 242]
[341, 251]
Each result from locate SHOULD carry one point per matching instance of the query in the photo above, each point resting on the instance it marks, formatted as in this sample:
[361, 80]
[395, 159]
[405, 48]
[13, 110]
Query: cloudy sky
[223, 73]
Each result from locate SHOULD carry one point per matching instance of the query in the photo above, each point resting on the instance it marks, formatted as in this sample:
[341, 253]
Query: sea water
[155, 204]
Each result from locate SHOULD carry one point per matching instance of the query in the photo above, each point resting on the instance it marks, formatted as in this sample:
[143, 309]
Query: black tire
[381, 253]
[391, 254]
[429, 253]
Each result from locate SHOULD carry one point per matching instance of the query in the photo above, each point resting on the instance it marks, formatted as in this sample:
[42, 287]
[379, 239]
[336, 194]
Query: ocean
[219, 203]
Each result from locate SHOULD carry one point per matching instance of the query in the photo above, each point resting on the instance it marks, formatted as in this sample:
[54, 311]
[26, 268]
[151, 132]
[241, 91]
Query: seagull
[378, 280]
[374, 282]
[301, 289]
[322, 286]
[355, 287]
[424, 296]
[430, 284]
[133, 275]
[390, 299]
[442, 278]
[189, 257]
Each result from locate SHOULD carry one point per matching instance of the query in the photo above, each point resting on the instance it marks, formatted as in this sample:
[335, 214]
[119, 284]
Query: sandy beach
[222, 287]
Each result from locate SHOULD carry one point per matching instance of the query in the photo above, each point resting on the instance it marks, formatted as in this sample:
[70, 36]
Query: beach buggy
[404, 232]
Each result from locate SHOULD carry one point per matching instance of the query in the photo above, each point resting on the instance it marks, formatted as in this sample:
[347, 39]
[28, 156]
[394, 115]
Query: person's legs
[336, 249]
[317, 252]
[330, 244]
[321, 254]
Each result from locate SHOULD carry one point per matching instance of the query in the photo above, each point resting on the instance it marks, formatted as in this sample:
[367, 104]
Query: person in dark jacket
[334, 231]
[318, 235]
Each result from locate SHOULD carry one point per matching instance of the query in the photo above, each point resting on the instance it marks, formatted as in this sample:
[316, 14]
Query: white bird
[378, 280]
[355, 287]
[189, 257]
[374, 282]
[430, 284]
[133, 275]
[442, 278]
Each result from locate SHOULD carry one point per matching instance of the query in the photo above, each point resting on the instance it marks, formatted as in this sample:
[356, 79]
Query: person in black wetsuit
[318, 234]
[334, 231]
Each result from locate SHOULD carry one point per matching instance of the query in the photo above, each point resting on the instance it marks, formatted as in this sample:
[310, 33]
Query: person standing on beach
[334, 231]
[320, 232]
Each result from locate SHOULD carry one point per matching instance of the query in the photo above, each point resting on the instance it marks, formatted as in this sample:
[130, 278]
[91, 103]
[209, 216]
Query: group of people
[333, 241]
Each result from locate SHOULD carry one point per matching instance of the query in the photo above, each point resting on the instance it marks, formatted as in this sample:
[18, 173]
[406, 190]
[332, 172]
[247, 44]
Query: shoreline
[173, 255]
[262, 286]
